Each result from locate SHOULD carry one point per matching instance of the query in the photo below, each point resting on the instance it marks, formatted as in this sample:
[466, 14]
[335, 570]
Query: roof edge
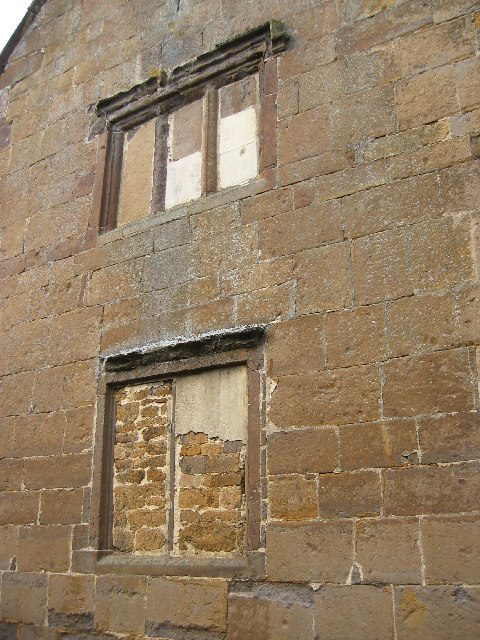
[19, 32]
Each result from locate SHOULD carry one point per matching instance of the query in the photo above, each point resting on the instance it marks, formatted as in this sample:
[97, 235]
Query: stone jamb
[208, 352]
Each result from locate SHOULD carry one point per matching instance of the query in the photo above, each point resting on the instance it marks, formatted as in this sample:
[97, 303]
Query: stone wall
[360, 254]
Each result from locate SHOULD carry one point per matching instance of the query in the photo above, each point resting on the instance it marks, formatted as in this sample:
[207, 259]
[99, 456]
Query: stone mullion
[210, 135]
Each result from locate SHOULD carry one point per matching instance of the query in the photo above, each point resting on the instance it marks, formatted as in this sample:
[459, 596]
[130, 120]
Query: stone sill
[251, 566]
[205, 203]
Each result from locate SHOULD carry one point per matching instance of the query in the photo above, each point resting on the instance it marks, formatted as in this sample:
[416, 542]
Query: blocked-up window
[179, 465]
[210, 126]
[178, 471]
[203, 146]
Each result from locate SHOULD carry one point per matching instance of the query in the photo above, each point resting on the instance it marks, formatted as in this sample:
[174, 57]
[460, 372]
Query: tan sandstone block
[70, 594]
[375, 540]
[389, 443]
[436, 46]
[191, 603]
[355, 336]
[305, 135]
[334, 397]
[324, 279]
[366, 114]
[19, 507]
[420, 323]
[451, 549]
[450, 438]
[441, 254]
[8, 546]
[301, 229]
[274, 617]
[381, 267]
[433, 383]
[437, 613]
[427, 97]
[61, 506]
[120, 604]
[302, 451]
[346, 495]
[355, 612]
[24, 597]
[316, 552]
[44, 548]
[296, 346]
[431, 489]
[293, 498]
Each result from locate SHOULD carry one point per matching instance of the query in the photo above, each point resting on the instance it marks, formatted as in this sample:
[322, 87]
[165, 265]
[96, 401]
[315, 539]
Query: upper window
[205, 129]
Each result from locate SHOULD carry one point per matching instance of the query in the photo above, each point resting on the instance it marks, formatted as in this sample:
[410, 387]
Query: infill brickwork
[141, 480]
[358, 250]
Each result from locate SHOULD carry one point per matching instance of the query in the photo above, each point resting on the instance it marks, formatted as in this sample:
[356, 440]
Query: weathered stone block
[449, 438]
[434, 383]
[420, 323]
[366, 114]
[431, 489]
[296, 346]
[375, 540]
[270, 616]
[451, 549]
[346, 495]
[334, 397]
[19, 507]
[354, 613]
[24, 597]
[302, 451]
[324, 278]
[301, 229]
[446, 260]
[71, 602]
[436, 613]
[120, 604]
[316, 552]
[293, 497]
[61, 506]
[187, 603]
[380, 444]
[8, 546]
[305, 135]
[44, 548]
[381, 269]
[355, 337]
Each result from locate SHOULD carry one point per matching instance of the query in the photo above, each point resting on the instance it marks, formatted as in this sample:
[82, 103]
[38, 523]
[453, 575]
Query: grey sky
[11, 12]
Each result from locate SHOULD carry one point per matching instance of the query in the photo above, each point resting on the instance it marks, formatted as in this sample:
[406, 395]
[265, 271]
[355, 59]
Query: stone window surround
[243, 346]
[252, 53]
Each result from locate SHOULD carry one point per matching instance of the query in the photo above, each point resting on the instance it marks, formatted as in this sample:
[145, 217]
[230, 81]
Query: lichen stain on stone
[413, 610]
[372, 7]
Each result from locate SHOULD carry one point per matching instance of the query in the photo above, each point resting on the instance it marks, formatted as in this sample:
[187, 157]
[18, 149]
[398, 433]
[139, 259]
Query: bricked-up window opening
[178, 464]
[209, 126]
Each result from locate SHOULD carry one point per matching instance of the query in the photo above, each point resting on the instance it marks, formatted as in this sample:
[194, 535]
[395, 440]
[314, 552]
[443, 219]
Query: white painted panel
[213, 402]
[237, 130]
[238, 166]
[184, 180]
